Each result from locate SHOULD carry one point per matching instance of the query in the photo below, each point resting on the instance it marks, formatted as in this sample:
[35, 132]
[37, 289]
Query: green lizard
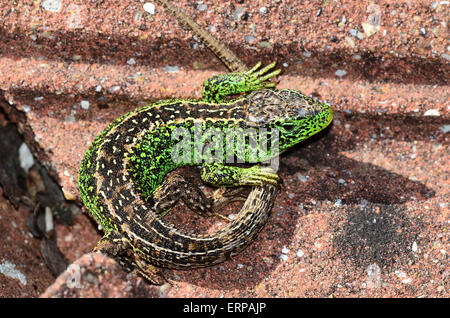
[122, 178]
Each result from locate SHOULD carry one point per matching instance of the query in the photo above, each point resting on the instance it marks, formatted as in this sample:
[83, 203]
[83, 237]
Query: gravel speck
[85, 104]
[114, 88]
[432, 112]
[149, 7]
[340, 73]
[171, 69]
[9, 269]
[249, 38]
[302, 178]
[25, 157]
[356, 34]
[238, 13]
[373, 276]
[51, 5]
[202, 7]
[406, 281]
[445, 128]
[446, 56]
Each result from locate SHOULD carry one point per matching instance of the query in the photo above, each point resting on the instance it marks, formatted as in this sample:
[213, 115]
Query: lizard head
[296, 116]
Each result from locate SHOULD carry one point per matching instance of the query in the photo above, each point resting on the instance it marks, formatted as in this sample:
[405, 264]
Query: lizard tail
[231, 61]
[179, 250]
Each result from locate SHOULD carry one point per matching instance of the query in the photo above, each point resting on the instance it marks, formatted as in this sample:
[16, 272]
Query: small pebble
[51, 5]
[164, 290]
[356, 34]
[263, 10]
[369, 29]
[414, 247]
[284, 257]
[71, 117]
[307, 54]
[171, 69]
[300, 253]
[131, 61]
[340, 73]
[48, 219]
[85, 104]
[25, 157]
[373, 276]
[284, 250]
[149, 7]
[302, 178]
[432, 112]
[350, 41]
[406, 281]
[249, 38]
[9, 269]
[114, 88]
[238, 13]
[202, 7]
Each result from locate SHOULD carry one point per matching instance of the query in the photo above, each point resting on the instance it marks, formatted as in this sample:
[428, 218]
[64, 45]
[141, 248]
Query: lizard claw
[259, 78]
[259, 176]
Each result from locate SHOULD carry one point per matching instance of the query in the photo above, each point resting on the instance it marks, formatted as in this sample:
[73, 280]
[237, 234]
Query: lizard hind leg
[174, 188]
[117, 247]
[112, 244]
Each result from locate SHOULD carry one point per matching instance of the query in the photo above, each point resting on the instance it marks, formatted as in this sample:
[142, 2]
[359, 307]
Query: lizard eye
[288, 126]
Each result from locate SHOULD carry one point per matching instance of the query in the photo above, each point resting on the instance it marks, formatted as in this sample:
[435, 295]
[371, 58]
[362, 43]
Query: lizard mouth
[305, 126]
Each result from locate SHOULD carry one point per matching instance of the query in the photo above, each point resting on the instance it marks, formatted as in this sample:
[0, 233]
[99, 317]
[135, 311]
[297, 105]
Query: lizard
[123, 176]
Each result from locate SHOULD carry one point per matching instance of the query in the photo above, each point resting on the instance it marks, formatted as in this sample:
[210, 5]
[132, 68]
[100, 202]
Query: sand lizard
[122, 178]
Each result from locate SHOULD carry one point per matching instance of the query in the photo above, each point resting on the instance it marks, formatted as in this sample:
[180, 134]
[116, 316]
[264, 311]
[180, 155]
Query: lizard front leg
[217, 88]
[231, 176]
